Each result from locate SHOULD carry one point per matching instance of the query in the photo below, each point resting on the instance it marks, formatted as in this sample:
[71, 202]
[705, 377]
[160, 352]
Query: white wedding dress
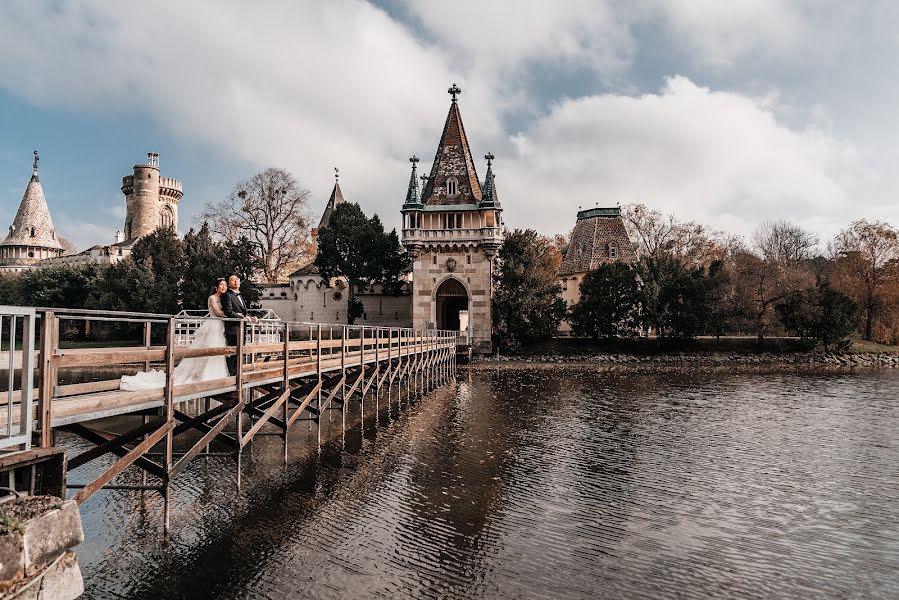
[210, 334]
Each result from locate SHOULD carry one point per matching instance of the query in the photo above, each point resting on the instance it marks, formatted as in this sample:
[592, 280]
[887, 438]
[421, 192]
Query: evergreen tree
[527, 305]
[820, 313]
[162, 254]
[610, 302]
[357, 247]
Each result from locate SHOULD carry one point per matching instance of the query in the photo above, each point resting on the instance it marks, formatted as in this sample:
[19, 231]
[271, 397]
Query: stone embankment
[705, 359]
[37, 535]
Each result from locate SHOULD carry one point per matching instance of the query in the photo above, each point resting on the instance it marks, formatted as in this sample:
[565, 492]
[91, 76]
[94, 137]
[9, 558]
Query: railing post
[362, 374]
[169, 398]
[238, 379]
[48, 379]
[286, 406]
[318, 368]
[147, 340]
[343, 383]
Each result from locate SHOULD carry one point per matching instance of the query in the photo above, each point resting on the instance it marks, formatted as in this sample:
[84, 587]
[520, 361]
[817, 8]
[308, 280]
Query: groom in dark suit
[234, 308]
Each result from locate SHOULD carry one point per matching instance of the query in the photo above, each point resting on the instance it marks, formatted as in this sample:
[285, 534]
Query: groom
[234, 308]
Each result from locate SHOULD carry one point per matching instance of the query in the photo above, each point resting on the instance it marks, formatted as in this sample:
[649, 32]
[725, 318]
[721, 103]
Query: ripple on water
[540, 485]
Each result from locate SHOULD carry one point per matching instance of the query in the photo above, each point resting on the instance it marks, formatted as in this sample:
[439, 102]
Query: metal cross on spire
[454, 91]
[413, 160]
[34, 164]
[336, 174]
[489, 156]
[424, 180]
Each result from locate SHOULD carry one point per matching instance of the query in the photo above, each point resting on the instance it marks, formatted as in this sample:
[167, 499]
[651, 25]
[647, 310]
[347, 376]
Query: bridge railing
[87, 377]
[17, 325]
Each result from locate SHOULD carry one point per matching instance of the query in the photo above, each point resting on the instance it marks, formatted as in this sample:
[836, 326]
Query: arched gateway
[452, 226]
[451, 297]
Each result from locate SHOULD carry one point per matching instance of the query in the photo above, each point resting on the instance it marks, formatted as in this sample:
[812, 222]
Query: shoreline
[692, 360]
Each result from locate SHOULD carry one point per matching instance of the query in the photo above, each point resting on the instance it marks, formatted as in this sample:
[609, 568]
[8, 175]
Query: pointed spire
[335, 199]
[32, 225]
[413, 196]
[453, 178]
[489, 197]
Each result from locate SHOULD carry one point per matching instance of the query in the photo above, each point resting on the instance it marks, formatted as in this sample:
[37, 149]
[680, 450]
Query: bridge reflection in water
[286, 373]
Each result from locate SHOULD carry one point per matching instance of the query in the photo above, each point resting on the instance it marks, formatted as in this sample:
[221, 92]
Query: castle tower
[453, 228]
[31, 237]
[335, 200]
[151, 201]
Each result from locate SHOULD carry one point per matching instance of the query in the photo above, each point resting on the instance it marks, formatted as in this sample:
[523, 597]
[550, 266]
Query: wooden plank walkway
[311, 370]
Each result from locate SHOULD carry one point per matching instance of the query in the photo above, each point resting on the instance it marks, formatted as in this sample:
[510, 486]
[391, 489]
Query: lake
[558, 483]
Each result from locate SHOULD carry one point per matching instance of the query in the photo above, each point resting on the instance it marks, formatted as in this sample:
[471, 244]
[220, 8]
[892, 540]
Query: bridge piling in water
[285, 373]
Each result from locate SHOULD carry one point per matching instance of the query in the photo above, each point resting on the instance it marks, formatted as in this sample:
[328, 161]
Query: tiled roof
[453, 159]
[596, 232]
[33, 215]
[308, 269]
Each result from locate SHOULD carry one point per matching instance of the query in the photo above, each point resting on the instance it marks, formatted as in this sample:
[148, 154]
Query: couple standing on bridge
[224, 303]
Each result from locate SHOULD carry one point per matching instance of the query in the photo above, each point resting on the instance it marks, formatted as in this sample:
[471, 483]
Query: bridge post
[362, 375]
[238, 378]
[343, 402]
[286, 406]
[48, 379]
[318, 368]
[170, 423]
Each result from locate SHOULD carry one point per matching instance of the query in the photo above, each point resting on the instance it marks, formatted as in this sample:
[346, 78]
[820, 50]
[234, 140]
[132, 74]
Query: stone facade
[452, 229]
[599, 236]
[32, 237]
[151, 201]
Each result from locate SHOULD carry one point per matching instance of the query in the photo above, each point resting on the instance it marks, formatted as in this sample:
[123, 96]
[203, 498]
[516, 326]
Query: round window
[337, 296]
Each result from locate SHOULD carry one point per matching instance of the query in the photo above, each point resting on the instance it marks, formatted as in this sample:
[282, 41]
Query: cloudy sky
[728, 113]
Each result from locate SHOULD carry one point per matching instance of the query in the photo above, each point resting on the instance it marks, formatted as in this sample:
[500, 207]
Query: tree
[527, 305]
[162, 254]
[783, 242]
[59, 287]
[609, 304]
[820, 313]
[204, 262]
[866, 268]
[272, 211]
[356, 247]
[674, 297]
[659, 235]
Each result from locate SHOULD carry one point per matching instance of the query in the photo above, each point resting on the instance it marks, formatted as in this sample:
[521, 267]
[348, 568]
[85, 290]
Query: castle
[151, 201]
[452, 228]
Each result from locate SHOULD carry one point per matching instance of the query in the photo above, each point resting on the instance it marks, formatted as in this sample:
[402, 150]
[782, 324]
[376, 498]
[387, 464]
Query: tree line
[163, 274]
[692, 281]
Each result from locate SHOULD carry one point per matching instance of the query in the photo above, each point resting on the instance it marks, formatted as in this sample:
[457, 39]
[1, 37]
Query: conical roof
[453, 161]
[413, 196]
[335, 199]
[489, 197]
[32, 225]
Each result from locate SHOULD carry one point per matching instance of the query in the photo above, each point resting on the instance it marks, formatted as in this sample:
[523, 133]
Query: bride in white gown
[210, 334]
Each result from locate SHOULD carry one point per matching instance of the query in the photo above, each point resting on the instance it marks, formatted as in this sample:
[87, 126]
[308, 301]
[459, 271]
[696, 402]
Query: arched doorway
[451, 298]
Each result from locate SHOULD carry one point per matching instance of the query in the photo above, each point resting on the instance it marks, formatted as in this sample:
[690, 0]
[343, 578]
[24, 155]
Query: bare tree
[658, 235]
[783, 242]
[867, 267]
[271, 210]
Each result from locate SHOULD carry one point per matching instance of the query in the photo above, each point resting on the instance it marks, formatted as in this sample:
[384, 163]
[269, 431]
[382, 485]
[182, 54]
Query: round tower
[151, 201]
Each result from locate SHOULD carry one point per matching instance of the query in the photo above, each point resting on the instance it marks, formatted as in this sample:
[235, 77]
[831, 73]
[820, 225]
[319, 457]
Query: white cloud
[310, 85]
[715, 157]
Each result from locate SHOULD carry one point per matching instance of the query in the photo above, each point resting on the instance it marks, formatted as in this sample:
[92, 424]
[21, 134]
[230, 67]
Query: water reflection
[558, 484]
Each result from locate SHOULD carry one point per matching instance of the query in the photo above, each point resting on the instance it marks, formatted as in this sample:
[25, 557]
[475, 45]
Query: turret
[151, 201]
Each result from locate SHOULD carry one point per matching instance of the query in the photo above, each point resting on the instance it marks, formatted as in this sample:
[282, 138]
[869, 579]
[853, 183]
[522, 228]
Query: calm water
[542, 484]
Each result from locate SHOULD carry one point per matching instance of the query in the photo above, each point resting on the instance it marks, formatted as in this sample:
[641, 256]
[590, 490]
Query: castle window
[32, 232]
[452, 187]
[613, 250]
[564, 283]
[434, 259]
[31, 255]
[295, 297]
[167, 217]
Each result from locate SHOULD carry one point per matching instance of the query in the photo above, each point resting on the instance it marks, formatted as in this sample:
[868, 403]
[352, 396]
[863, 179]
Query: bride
[210, 334]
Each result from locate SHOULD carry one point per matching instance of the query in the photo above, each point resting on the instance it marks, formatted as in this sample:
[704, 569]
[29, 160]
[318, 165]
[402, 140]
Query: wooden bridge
[286, 373]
